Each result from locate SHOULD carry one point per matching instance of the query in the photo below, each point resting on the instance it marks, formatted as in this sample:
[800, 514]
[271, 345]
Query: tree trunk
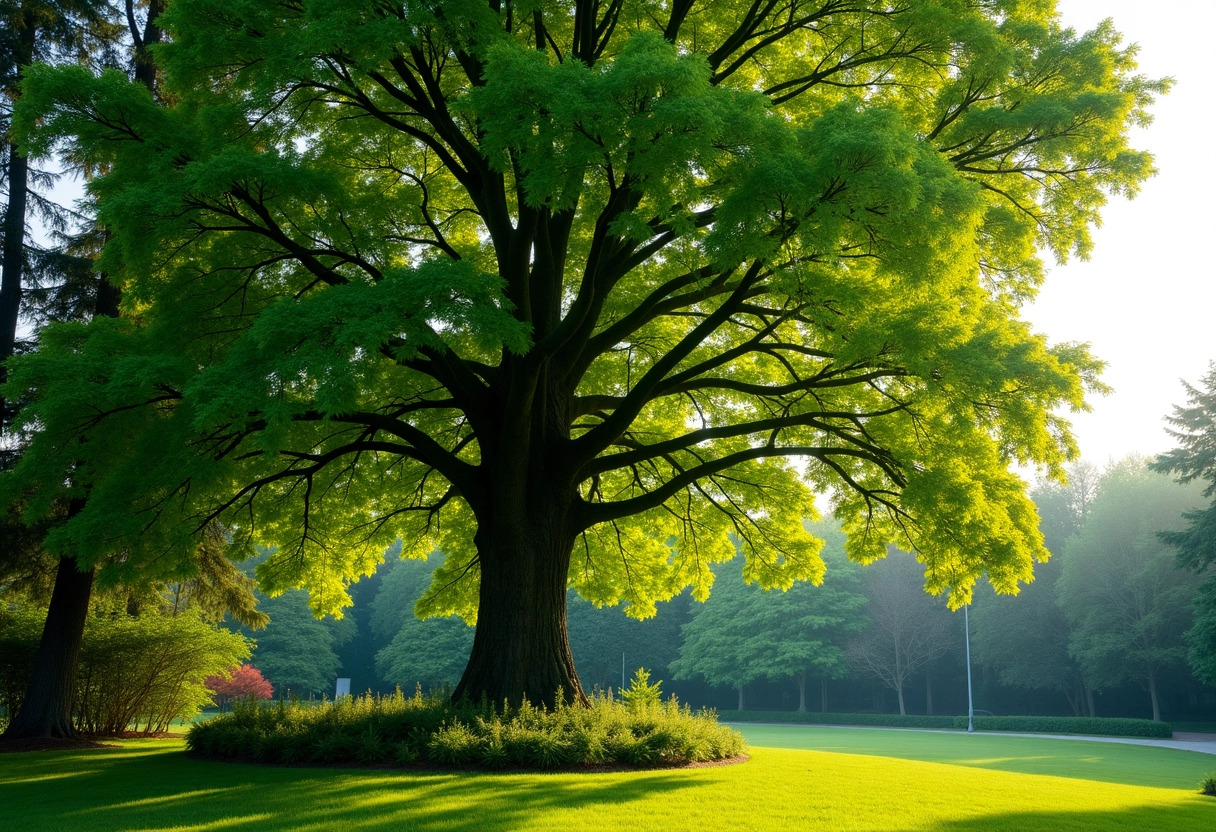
[1074, 701]
[823, 694]
[12, 248]
[1152, 692]
[1089, 700]
[521, 649]
[899, 690]
[740, 697]
[801, 679]
[46, 710]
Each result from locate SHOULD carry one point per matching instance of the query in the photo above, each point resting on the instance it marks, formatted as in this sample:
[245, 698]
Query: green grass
[1132, 765]
[153, 785]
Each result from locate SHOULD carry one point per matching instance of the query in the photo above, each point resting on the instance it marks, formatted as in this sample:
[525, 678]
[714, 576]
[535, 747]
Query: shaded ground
[49, 744]
[154, 785]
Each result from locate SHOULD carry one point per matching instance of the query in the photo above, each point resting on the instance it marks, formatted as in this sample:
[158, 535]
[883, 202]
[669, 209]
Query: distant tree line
[1101, 631]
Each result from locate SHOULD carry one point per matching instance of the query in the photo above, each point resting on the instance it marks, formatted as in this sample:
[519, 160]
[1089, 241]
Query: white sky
[1146, 299]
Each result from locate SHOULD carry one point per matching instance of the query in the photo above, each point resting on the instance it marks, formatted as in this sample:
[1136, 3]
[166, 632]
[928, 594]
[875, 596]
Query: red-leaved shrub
[246, 682]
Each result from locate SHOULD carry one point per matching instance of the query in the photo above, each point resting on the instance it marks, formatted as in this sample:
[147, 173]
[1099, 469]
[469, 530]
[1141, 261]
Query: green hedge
[1101, 726]
[433, 732]
[882, 720]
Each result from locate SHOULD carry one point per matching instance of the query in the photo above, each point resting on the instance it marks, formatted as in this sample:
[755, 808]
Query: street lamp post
[970, 704]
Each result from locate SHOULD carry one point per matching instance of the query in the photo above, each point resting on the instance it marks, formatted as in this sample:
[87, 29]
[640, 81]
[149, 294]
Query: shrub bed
[882, 720]
[1100, 726]
[429, 731]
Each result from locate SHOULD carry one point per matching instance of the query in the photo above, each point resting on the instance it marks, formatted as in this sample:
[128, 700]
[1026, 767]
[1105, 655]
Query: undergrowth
[1208, 785]
[430, 731]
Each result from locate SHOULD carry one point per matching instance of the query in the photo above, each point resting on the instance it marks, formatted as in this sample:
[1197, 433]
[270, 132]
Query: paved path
[1203, 743]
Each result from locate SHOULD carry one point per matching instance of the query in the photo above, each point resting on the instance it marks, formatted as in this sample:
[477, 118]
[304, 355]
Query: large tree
[430, 652]
[1025, 638]
[63, 285]
[1128, 602]
[583, 292]
[1194, 428]
[907, 631]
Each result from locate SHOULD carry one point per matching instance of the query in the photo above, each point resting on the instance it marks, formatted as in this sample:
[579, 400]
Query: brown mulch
[49, 744]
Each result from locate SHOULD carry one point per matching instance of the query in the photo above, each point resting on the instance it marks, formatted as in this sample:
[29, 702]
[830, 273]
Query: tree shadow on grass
[150, 788]
[1182, 818]
[161, 791]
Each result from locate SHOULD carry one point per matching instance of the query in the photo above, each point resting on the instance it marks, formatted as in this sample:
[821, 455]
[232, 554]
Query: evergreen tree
[1194, 428]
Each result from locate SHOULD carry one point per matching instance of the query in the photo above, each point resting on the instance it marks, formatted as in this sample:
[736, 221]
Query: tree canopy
[583, 293]
[743, 633]
[1025, 639]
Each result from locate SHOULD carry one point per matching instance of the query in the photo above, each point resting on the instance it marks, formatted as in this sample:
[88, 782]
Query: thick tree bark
[521, 649]
[801, 677]
[46, 710]
[740, 697]
[899, 690]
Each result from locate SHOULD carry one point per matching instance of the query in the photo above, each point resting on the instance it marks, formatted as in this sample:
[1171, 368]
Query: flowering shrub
[244, 682]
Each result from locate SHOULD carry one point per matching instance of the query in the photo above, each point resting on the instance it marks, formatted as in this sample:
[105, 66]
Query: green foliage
[744, 633]
[1201, 638]
[1194, 428]
[134, 673]
[408, 272]
[431, 652]
[1129, 604]
[1024, 638]
[642, 693]
[1021, 724]
[1208, 786]
[297, 653]
[431, 731]
[1098, 726]
[20, 632]
[876, 720]
[598, 637]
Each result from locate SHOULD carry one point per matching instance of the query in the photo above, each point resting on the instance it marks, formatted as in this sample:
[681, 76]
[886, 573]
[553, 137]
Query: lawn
[1132, 765]
[153, 785]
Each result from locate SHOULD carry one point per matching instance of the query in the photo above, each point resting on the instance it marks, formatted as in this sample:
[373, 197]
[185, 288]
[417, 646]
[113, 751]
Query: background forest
[1102, 631]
